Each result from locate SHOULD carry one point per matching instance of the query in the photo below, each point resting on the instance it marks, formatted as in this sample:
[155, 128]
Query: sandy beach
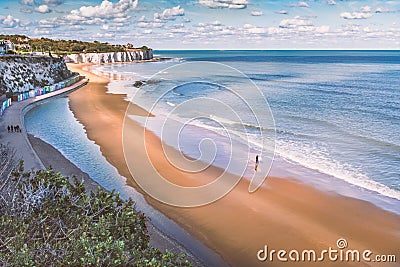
[282, 214]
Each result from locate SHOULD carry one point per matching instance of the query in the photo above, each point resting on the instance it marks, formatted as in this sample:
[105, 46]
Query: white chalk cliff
[23, 73]
[112, 57]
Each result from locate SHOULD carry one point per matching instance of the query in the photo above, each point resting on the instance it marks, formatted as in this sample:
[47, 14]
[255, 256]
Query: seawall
[14, 115]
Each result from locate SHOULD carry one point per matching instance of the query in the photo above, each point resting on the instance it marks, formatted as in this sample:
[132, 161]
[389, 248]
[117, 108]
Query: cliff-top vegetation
[26, 44]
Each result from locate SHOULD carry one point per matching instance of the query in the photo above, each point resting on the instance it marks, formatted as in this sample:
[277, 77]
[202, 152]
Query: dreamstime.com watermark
[338, 254]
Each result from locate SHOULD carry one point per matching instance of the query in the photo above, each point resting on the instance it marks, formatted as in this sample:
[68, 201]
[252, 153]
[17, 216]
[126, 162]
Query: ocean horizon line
[282, 50]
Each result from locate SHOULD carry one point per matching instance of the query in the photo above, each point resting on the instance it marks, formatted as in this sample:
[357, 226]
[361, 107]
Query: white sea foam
[306, 155]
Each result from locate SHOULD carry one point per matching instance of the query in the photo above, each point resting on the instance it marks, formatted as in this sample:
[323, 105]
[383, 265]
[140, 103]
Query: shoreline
[284, 213]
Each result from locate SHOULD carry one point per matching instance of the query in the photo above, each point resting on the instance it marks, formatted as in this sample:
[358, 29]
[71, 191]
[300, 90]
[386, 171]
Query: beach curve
[284, 213]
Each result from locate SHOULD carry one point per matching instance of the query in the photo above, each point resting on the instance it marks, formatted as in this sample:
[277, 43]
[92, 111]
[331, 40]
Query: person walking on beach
[12, 128]
[8, 128]
[257, 161]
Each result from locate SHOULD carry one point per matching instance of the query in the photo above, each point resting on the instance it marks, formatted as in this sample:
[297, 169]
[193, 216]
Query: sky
[210, 24]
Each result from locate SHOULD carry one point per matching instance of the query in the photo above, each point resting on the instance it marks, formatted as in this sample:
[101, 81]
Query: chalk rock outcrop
[23, 73]
[112, 57]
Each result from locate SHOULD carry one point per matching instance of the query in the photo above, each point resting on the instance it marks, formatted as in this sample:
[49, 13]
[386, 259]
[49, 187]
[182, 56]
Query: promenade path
[14, 115]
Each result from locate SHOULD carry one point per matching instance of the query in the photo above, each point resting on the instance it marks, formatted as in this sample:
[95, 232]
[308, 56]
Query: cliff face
[111, 57]
[19, 74]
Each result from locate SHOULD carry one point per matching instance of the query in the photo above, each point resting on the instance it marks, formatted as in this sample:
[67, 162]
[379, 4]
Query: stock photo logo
[215, 127]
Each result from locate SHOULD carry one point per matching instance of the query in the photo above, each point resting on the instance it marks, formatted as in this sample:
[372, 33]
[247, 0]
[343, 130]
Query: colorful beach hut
[5, 103]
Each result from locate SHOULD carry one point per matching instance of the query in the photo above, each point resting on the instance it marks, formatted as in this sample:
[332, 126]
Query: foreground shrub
[46, 220]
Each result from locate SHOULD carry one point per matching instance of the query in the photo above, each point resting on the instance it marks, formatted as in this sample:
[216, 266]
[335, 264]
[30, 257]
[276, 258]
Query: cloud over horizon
[232, 4]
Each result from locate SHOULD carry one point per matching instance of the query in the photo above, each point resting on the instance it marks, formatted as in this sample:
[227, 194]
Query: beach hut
[40, 91]
[24, 95]
[5, 103]
[32, 93]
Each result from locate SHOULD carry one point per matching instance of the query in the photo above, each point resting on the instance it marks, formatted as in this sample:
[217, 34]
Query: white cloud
[363, 13]
[302, 4]
[41, 2]
[351, 28]
[256, 13]
[149, 31]
[52, 2]
[9, 21]
[322, 29]
[105, 10]
[38, 31]
[102, 35]
[295, 22]
[26, 10]
[383, 10]
[251, 29]
[331, 2]
[151, 24]
[178, 26]
[48, 23]
[170, 13]
[105, 27]
[355, 15]
[28, 2]
[160, 19]
[367, 29]
[42, 9]
[76, 28]
[178, 30]
[116, 12]
[232, 4]
[366, 9]
[216, 23]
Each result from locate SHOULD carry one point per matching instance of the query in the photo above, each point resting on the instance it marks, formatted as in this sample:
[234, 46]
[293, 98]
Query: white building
[6, 45]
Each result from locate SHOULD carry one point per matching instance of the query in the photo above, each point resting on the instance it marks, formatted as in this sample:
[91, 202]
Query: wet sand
[283, 213]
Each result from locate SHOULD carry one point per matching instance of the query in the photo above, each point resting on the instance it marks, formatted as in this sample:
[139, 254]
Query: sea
[330, 119]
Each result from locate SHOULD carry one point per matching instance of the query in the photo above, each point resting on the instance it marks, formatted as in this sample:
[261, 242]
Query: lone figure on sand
[256, 167]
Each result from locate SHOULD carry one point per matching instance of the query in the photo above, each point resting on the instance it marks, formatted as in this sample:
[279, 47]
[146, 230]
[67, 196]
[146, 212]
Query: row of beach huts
[17, 97]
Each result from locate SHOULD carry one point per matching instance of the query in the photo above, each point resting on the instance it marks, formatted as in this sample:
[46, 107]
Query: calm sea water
[337, 113]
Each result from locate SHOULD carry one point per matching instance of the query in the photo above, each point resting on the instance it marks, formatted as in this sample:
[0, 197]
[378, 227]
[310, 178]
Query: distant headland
[21, 44]
[27, 63]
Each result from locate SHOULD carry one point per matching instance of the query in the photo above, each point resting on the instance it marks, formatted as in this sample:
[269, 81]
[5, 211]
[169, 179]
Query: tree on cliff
[46, 220]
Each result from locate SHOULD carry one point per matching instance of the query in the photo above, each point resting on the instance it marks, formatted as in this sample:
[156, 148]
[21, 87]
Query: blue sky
[211, 24]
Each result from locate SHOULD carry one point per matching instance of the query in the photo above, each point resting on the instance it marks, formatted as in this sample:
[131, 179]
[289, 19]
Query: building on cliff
[6, 45]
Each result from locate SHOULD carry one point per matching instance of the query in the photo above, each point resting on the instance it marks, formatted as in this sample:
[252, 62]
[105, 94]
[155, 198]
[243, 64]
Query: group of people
[14, 128]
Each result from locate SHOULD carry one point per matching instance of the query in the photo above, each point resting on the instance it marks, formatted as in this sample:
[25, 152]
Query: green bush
[46, 220]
